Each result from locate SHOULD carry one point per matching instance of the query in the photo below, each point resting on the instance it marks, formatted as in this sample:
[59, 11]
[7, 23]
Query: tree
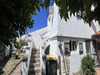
[19, 44]
[76, 6]
[16, 17]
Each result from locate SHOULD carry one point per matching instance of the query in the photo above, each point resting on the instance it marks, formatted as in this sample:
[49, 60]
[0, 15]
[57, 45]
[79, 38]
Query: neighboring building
[4, 51]
[69, 41]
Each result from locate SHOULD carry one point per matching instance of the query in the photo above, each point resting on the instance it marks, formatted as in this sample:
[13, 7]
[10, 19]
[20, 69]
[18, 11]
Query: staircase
[34, 67]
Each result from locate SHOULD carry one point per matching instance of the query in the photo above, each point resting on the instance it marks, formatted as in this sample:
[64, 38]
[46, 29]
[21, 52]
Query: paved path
[17, 70]
[97, 70]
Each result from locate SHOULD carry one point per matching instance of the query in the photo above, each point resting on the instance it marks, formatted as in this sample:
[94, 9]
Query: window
[74, 45]
[70, 46]
[67, 47]
[88, 48]
[80, 48]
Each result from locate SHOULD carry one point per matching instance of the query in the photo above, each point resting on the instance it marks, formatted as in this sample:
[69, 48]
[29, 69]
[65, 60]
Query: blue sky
[40, 19]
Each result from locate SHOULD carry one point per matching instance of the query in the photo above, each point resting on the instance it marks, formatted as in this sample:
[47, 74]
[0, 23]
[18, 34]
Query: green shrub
[13, 55]
[88, 65]
[18, 52]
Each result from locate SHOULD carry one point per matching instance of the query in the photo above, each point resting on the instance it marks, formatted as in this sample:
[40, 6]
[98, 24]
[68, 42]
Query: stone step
[37, 64]
[35, 60]
[34, 70]
[35, 56]
[35, 74]
[35, 49]
[35, 52]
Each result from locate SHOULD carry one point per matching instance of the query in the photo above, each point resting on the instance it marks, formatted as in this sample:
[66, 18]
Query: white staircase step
[36, 74]
[35, 56]
[37, 64]
[35, 52]
[35, 60]
[36, 69]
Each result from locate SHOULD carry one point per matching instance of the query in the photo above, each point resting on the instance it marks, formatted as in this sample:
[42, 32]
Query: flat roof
[37, 30]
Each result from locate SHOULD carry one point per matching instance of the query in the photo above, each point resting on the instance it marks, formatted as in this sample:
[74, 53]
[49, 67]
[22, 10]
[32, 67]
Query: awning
[96, 35]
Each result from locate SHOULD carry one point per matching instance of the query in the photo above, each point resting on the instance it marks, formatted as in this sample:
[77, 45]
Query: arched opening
[47, 50]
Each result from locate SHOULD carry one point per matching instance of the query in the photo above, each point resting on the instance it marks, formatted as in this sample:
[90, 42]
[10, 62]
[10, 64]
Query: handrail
[29, 58]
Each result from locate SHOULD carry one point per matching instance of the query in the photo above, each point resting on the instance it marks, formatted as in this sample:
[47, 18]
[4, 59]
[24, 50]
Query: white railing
[25, 65]
[29, 57]
[24, 68]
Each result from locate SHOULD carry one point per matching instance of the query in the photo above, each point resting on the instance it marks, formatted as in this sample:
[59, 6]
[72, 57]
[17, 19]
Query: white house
[71, 40]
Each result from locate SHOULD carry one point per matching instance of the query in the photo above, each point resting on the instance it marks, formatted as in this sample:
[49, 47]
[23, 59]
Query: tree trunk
[10, 54]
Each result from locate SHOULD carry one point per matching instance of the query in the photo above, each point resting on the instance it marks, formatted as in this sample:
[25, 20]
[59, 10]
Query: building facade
[69, 41]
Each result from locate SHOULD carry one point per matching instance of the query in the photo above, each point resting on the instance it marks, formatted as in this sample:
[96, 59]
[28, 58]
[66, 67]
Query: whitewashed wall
[52, 21]
[75, 57]
[76, 28]
[53, 46]
[73, 27]
[36, 36]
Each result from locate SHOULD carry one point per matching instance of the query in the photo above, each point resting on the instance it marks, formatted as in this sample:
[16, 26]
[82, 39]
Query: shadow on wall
[47, 50]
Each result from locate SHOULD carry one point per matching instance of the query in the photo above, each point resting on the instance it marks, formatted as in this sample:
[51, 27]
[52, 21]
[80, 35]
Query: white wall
[52, 24]
[53, 46]
[75, 57]
[73, 27]
[36, 36]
